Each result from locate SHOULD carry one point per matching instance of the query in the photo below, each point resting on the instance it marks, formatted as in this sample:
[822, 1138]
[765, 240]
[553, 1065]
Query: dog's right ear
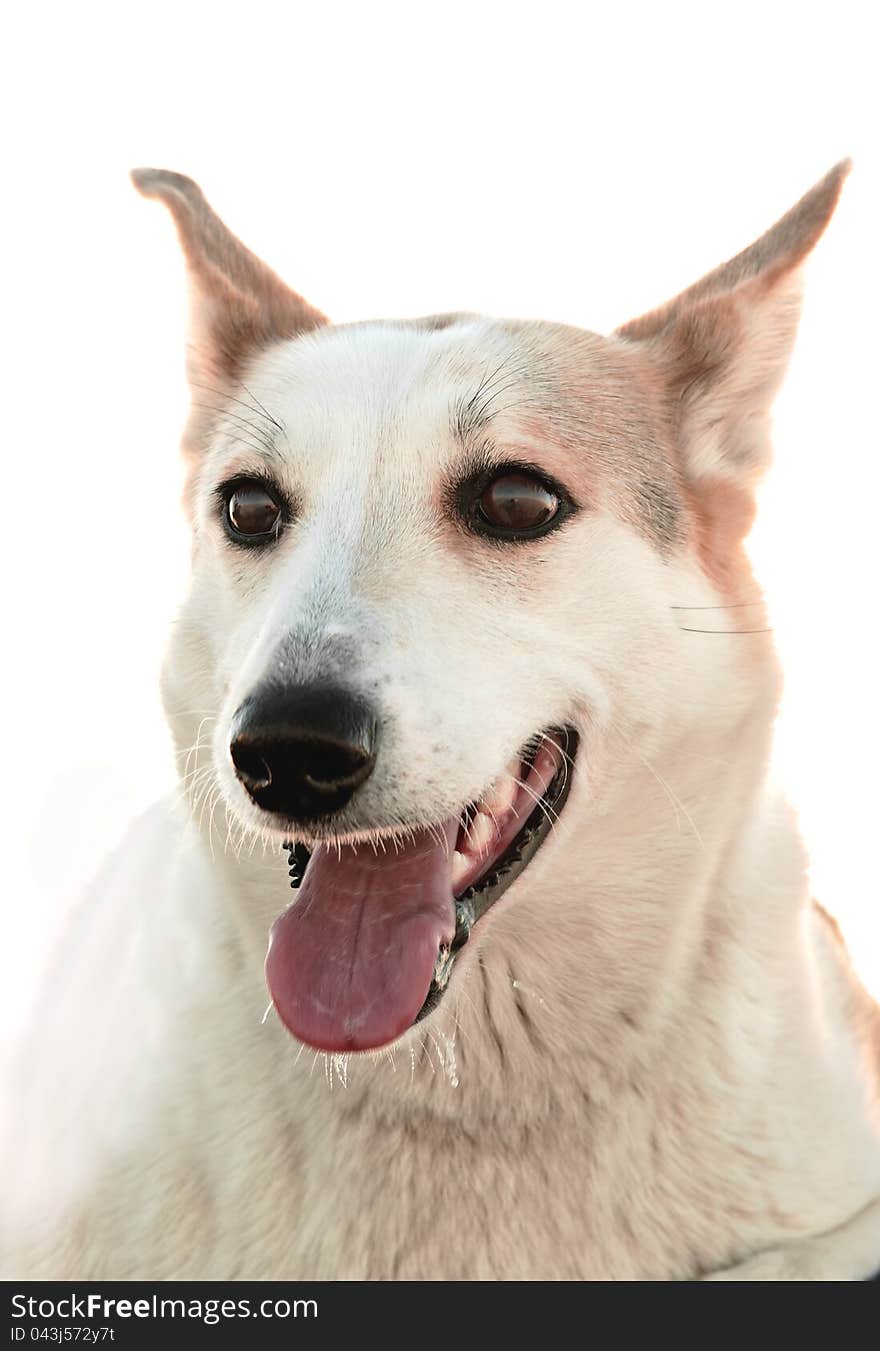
[238, 305]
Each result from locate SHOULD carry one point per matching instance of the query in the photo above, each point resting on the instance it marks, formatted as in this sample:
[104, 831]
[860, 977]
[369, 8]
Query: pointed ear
[238, 304]
[723, 345]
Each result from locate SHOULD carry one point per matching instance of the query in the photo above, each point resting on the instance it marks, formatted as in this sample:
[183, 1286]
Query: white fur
[652, 1061]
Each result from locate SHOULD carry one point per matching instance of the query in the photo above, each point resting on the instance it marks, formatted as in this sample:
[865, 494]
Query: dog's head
[444, 570]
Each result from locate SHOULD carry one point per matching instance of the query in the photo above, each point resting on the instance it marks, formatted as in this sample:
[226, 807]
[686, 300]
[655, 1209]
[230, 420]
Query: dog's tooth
[443, 968]
[459, 868]
[500, 797]
[480, 833]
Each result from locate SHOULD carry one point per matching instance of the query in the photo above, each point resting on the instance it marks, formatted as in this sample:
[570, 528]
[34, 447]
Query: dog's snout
[301, 752]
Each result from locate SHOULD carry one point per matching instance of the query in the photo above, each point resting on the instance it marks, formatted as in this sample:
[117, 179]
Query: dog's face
[442, 571]
[473, 532]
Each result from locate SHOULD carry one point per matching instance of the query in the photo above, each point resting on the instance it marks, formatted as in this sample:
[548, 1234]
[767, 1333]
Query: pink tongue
[350, 963]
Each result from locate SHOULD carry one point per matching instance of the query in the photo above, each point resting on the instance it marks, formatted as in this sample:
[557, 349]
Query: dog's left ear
[722, 346]
[239, 305]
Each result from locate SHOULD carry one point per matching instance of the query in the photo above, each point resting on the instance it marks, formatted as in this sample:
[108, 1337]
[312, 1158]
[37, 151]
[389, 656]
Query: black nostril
[327, 764]
[250, 767]
[302, 752]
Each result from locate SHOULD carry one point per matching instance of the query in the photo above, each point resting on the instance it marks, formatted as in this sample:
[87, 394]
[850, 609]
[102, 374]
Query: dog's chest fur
[427, 1198]
[648, 1130]
[500, 1152]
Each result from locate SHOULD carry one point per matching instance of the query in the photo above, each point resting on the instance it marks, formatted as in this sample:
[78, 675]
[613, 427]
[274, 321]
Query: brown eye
[252, 513]
[517, 503]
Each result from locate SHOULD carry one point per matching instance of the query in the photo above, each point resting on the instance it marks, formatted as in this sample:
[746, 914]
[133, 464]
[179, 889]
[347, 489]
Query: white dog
[472, 627]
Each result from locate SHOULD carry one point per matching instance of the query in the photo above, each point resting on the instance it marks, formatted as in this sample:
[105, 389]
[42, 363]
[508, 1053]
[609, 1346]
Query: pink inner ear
[239, 304]
[721, 348]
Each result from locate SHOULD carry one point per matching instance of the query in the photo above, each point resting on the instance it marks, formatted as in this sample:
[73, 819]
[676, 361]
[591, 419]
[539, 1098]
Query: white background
[571, 162]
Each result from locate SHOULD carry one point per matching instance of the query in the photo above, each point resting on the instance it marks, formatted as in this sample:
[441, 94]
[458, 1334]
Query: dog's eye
[252, 513]
[517, 503]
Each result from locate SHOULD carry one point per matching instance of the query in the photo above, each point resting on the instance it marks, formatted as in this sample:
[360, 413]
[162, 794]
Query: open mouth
[369, 944]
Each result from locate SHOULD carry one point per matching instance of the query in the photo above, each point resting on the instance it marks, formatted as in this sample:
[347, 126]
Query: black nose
[302, 751]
